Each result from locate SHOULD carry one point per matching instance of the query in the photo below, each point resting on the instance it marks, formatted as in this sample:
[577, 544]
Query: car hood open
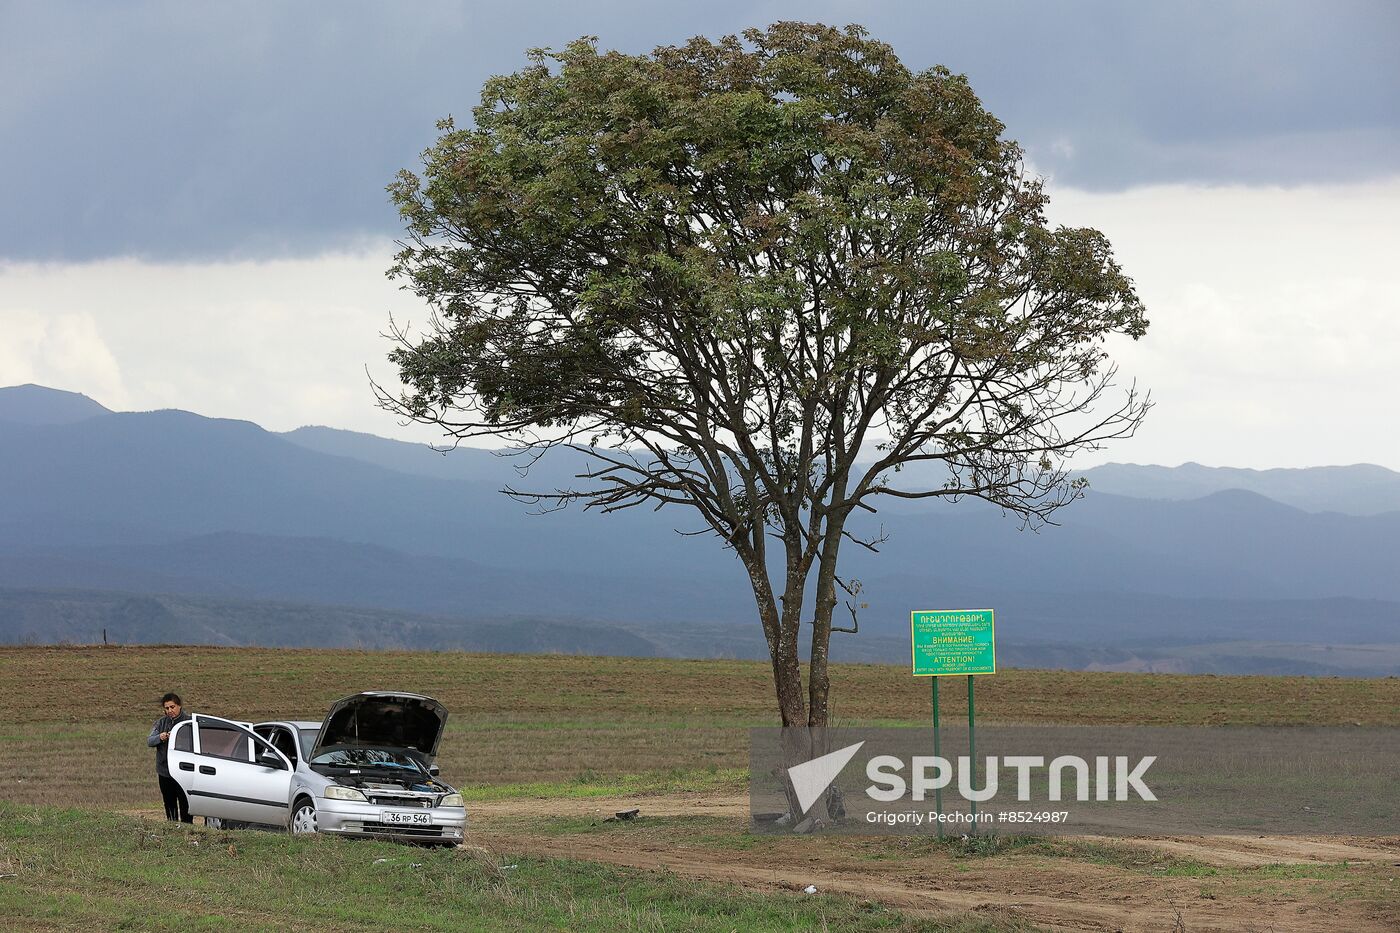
[383, 720]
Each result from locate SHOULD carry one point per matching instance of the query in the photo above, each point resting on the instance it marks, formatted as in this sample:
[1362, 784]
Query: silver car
[367, 770]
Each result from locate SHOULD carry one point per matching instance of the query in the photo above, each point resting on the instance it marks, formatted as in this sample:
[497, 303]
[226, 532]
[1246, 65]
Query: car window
[223, 741]
[308, 741]
[184, 738]
[282, 740]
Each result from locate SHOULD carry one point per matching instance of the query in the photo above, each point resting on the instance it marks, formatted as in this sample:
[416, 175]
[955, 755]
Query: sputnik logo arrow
[811, 778]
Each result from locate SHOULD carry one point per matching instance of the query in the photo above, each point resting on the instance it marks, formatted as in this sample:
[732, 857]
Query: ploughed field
[74, 720]
[546, 746]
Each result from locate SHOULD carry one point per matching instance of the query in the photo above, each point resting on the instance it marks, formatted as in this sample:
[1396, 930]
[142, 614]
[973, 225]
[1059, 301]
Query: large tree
[754, 278]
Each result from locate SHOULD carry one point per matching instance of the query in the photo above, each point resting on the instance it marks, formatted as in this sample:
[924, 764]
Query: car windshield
[359, 757]
[308, 741]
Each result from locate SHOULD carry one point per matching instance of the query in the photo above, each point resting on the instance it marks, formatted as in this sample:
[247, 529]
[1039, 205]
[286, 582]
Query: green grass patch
[76, 869]
[1317, 871]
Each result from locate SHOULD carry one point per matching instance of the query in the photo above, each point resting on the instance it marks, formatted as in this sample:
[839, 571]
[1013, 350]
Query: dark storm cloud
[183, 130]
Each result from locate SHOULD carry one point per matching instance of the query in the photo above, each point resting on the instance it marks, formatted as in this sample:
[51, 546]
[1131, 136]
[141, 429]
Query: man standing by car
[176, 806]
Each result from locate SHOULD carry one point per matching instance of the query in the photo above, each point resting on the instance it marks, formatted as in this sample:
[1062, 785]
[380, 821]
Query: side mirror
[434, 770]
[268, 758]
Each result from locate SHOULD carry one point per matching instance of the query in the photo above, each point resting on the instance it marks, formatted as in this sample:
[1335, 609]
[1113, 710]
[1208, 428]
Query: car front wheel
[303, 818]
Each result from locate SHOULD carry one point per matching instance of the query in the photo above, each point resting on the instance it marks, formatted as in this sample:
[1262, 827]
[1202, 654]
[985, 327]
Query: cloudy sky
[194, 212]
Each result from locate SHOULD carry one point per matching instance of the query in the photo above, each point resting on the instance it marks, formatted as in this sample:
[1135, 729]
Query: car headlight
[336, 792]
[452, 800]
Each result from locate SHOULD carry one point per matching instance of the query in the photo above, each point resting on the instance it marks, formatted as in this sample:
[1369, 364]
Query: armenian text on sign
[953, 641]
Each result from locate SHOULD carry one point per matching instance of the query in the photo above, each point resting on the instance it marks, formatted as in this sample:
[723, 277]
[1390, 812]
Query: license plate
[406, 819]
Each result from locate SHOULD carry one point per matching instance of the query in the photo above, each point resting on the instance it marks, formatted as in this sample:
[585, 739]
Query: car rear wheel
[303, 818]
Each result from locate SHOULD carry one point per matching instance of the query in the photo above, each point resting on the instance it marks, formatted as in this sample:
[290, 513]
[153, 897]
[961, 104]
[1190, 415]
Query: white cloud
[58, 349]
[1275, 323]
[282, 343]
[1275, 320]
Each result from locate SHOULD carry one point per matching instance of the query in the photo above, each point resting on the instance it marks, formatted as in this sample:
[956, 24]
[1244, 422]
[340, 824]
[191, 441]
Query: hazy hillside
[318, 570]
[321, 570]
[158, 476]
[1225, 542]
[84, 617]
[173, 503]
[491, 468]
[31, 404]
[1359, 489]
[35, 616]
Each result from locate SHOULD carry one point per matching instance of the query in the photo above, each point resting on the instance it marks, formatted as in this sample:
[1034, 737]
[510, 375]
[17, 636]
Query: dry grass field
[545, 746]
[73, 720]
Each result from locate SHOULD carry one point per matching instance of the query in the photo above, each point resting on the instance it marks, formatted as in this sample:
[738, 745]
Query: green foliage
[728, 269]
[792, 239]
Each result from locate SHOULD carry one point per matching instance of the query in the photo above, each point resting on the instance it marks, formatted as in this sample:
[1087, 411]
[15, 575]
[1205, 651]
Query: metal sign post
[972, 749]
[937, 752]
[949, 643]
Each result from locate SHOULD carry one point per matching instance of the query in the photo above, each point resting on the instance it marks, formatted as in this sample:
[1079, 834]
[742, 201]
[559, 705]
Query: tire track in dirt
[1085, 898]
[1066, 894]
[1248, 851]
[1220, 851]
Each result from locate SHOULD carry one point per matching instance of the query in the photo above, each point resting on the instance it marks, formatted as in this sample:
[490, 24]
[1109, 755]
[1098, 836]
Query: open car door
[227, 771]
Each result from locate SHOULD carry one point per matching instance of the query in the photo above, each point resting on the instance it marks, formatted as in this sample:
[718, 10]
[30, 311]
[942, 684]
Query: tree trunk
[781, 628]
[787, 679]
[780, 632]
[787, 660]
[782, 625]
[818, 684]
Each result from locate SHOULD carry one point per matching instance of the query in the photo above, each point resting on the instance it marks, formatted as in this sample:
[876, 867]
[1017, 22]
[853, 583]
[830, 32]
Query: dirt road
[1264, 885]
[1253, 889]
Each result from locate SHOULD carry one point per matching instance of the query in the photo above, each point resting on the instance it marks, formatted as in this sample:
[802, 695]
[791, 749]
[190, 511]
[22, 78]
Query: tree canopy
[754, 278]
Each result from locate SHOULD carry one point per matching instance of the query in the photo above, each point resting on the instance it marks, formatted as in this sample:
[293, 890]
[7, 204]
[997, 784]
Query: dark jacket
[163, 724]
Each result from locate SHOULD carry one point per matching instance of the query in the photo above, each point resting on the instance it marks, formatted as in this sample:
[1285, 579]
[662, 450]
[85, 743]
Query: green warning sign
[953, 641]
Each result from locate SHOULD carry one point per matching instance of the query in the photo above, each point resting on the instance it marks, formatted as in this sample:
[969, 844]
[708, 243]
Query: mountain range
[166, 522]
